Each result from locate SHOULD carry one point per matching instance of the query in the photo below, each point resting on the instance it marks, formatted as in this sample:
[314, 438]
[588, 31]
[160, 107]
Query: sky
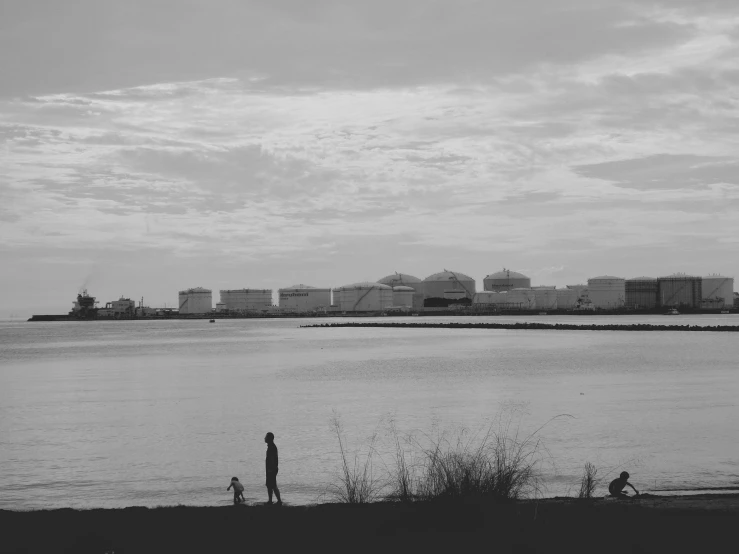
[149, 146]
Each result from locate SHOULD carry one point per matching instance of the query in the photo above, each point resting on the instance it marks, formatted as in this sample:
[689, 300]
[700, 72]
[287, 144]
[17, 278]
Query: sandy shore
[703, 523]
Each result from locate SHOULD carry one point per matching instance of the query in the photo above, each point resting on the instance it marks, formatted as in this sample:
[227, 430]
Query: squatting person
[616, 487]
[238, 490]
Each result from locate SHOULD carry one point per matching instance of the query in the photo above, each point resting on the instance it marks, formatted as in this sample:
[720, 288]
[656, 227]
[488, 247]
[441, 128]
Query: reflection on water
[148, 413]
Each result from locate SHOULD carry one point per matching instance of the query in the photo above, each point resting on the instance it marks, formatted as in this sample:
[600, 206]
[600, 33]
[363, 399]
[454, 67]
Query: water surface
[112, 414]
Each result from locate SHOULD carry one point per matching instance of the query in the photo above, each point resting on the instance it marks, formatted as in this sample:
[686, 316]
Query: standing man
[271, 466]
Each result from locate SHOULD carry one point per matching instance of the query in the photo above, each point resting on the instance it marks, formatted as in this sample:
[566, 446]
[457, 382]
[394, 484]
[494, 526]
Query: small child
[616, 487]
[238, 490]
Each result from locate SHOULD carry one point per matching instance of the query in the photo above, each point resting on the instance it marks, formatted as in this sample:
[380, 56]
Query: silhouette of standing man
[272, 468]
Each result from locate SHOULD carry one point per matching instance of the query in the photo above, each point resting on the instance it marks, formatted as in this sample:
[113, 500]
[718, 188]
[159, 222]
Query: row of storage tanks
[502, 290]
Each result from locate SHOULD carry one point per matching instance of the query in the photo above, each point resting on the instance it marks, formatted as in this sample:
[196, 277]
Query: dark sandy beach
[702, 523]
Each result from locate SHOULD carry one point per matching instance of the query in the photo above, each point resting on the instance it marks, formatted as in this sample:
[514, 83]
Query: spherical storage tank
[641, 293]
[363, 297]
[718, 290]
[448, 287]
[304, 298]
[403, 296]
[607, 292]
[506, 280]
[405, 280]
[545, 298]
[196, 301]
[239, 300]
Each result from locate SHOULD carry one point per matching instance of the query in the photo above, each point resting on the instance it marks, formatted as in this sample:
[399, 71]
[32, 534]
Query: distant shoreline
[534, 326]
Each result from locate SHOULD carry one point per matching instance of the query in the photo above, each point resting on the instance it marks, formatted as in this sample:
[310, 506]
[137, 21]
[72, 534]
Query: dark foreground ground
[649, 524]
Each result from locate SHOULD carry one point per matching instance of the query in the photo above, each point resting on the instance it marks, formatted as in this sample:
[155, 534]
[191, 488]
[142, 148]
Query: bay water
[149, 413]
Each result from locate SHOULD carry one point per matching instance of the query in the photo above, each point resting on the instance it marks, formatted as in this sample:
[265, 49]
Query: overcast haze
[151, 146]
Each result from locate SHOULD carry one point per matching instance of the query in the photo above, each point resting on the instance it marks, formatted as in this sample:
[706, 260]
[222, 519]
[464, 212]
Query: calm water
[115, 414]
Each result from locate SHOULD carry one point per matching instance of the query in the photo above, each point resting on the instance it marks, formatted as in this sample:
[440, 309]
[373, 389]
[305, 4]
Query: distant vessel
[672, 311]
[84, 306]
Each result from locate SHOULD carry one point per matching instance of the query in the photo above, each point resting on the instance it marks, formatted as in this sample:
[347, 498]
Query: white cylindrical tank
[240, 300]
[403, 297]
[545, 298]
[506, 280]
[566, 299]
[448, 285]
[196, 301]
[489, 299]
[304, 298]
[521, 299]
[405, 280]
[607, 292]
[484, 298]
[364, 297]
[718, 290]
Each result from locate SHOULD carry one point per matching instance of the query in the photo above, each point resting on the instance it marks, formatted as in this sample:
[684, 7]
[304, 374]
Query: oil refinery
[453, 292]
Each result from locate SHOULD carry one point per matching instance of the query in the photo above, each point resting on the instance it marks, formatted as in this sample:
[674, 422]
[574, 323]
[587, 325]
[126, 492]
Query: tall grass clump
[588, 481]
[498, 464]
[357, 482]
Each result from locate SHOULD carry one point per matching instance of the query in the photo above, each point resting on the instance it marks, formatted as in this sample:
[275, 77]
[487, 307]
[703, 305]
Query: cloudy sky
[152, 145]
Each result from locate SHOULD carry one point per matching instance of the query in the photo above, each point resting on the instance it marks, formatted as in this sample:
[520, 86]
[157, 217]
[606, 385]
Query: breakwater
[537, 326]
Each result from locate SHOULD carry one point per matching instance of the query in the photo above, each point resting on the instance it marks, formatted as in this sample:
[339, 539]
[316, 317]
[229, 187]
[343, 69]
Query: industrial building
[642, 293]
[242, 300]
[680, 290]
[405, 280]
[123, 307]
[196, 301]
[717, 291]
[607, 292]
[304, 298]
[506, 280]
[446, 288]
[363, 297]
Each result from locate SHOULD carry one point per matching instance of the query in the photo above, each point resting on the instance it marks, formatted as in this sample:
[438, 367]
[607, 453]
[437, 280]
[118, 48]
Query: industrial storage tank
[641, 293]
[405, 280]
[363, 297]
[304, 298]
[717, 291]
[489, 300]
[241, 300]
[196, 301]
[448, 287]
[566, 299]
[545, 298]
[521, 299]
[506, 280]
[680, 290]
[607, 292]
[403, 296]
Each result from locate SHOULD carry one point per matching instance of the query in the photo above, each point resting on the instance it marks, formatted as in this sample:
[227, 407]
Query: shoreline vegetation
[535, 326]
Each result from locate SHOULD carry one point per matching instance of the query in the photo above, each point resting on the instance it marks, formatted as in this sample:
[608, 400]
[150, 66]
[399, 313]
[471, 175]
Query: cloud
[665, 172]
[337, 43]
